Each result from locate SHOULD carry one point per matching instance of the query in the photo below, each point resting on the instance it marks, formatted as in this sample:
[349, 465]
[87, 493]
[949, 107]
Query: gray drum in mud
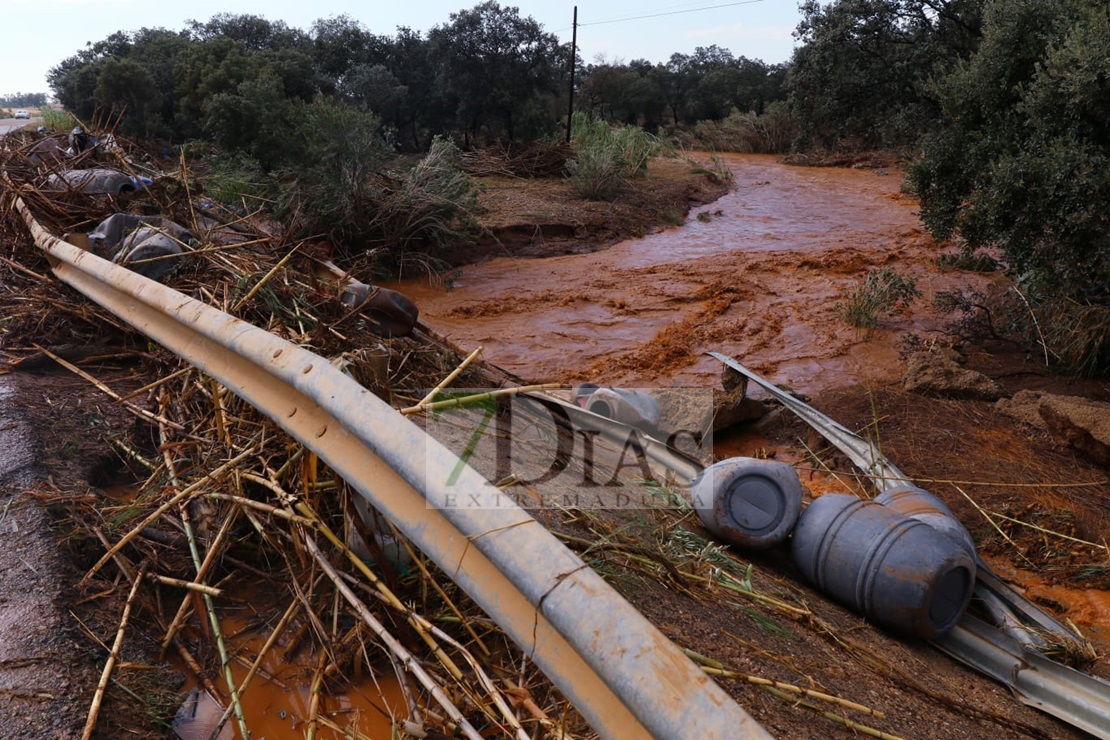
[897, 571]
[747, 502]
[917, 503]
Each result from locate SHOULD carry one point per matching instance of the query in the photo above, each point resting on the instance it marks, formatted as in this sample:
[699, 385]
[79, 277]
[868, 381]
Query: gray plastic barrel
[631, 407]
[747, 502]
[917, 503]
[896, 571]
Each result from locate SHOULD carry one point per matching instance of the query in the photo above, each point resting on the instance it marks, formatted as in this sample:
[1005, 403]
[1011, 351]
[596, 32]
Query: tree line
[488, 74]
[23, 100]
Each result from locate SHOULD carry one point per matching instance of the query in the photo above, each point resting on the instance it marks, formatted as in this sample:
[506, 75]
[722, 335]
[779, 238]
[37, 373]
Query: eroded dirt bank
[755, 274]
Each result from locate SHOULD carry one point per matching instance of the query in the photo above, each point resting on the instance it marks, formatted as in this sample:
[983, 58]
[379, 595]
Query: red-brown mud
[756, 274]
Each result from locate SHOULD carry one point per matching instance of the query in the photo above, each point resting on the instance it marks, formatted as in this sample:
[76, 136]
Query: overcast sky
[40, 33]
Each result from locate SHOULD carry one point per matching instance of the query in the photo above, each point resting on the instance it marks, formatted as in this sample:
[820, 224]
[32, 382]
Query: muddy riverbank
[758, 275]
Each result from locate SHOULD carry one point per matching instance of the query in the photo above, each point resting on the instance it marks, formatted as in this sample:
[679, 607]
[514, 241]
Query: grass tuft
[607, 157]
[882, 293]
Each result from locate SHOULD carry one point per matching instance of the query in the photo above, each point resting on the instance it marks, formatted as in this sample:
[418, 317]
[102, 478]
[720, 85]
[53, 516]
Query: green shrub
[235, 178]
[717, 170]
[773, 132]
[596, 173]
[433, 204]
[1078, 336]
[606, 157]
[968, 261]
[56, 119]
[348, 195]
[1021, 158]
[882, 293]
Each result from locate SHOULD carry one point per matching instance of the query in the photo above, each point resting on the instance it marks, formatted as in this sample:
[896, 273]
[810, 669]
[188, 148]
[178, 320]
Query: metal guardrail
[624, 676]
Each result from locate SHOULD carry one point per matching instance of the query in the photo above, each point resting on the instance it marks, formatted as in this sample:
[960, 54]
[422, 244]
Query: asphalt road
[44, 672]
[11, 124]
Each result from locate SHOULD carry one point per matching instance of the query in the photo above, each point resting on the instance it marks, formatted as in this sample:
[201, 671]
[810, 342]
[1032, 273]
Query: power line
[673, 12]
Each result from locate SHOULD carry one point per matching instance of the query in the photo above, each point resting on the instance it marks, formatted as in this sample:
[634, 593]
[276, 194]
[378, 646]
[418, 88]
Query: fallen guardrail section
[624, 676]
[1006, 651]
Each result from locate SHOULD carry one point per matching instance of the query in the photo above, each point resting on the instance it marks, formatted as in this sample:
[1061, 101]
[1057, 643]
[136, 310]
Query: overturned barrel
[897, 571]
[632, 407]
[917, 503]
[747, 502]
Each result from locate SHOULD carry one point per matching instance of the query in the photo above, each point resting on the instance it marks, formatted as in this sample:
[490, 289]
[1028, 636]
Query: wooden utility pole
[573, 60]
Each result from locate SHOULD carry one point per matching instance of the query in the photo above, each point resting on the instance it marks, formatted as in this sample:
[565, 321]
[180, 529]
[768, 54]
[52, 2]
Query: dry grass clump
[530, 160]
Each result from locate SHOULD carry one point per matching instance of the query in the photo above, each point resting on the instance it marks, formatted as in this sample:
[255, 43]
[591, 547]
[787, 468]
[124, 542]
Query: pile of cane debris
[224, 517]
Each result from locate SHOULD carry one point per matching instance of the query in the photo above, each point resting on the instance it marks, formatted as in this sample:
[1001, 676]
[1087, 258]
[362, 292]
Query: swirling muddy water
[755, 274]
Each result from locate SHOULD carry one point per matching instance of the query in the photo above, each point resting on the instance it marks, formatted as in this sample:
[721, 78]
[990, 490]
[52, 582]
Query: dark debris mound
[531, 160]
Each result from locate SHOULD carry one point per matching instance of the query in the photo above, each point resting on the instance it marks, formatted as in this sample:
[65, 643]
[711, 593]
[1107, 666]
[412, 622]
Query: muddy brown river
[756, 274]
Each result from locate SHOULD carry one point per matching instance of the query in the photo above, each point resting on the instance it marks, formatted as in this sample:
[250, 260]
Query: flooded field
[756, 275]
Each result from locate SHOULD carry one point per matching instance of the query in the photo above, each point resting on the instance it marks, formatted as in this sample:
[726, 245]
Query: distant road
[11, 124]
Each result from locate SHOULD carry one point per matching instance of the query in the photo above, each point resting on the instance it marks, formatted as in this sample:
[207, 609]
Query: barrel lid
[757, 503]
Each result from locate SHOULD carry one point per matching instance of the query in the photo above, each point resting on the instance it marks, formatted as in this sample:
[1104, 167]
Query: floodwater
[755, 274]
[1088, 609]
[278, 701]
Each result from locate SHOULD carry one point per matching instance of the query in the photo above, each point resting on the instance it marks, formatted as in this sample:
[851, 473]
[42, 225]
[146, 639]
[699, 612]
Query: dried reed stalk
[446, 381]
[214, 549]
[161, 510]
[113, 656]
[479, 397]
[403, 655]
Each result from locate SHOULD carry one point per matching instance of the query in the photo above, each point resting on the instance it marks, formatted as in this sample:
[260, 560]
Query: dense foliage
[487, 74]
[864, 72]
[1021, 159]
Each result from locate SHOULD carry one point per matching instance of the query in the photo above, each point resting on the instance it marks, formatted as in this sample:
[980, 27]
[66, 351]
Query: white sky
[40, 33]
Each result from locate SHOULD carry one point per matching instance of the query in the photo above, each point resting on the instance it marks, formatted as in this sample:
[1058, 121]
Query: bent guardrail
[624, 676]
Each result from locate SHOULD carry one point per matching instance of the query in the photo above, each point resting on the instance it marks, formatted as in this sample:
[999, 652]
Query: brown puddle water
[1089, 609]
[757, 278]
[277, 703]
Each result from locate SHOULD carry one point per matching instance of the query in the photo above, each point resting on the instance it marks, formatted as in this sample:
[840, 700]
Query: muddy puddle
[278, 702]
[1087, 609]
[755, 274]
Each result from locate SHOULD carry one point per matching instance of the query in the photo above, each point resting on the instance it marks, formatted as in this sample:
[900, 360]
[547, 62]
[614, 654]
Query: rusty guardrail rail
[624, 676]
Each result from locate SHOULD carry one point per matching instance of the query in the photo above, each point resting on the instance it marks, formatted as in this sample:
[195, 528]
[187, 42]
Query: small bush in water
[882, 293]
